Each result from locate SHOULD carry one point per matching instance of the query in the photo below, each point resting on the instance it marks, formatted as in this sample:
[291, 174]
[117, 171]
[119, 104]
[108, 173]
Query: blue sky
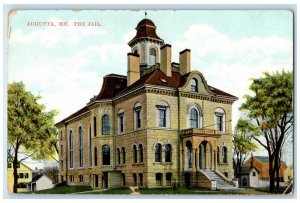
[65, 65]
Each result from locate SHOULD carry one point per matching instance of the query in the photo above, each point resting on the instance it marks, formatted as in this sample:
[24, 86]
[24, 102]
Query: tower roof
[146, 29]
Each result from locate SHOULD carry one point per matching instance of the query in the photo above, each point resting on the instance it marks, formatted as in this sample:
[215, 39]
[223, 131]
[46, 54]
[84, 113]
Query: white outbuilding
[40, 182]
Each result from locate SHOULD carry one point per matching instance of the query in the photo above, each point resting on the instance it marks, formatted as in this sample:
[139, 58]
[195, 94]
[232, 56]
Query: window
[9, 165]
[105, 125]
[245, 182]
[106, 155]
[152, 56]
[158, 152]
[21, 175]
[158, 177]
[194, 85]
[224, 155]
[225, 174]
[168, 179]
[95, 126]
[61, 135]
[168, 154]
[134, 179]
[26, 175]
[71, 178]
[119, 155]
[21, 185]
[61, 165]
[253, 173]
[134, 154]
[220, 119]
[80, 146]
[61, 150]
[162, 117]
[141, 179]
[121, 121]
[90, 145]
[123, 179]
[218, 155]
[141, 153]
[18, 165]
[71, 150]
[81, 178]
[95, 157]
[124, 155]
[194, 118]
[137, 116]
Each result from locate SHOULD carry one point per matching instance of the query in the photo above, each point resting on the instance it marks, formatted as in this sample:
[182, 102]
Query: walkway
[134, 189]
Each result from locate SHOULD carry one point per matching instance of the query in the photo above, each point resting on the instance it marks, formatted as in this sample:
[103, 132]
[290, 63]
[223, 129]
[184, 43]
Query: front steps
[222, 182]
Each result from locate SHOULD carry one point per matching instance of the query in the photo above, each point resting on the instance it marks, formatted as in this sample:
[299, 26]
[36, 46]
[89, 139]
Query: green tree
[243, 144]
[30, 128]
[271, 109]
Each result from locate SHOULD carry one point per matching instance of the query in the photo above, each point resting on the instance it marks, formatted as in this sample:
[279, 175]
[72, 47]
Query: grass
[111, 191]
[198, 191]
[63, 190]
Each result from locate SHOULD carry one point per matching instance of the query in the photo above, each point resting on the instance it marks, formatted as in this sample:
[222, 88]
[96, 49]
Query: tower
[146, 43]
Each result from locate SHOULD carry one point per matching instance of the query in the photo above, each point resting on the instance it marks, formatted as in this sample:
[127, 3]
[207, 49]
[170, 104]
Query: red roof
[145, 29]
[116, 85]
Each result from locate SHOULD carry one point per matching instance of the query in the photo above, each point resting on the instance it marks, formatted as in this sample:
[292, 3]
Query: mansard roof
[116, 85]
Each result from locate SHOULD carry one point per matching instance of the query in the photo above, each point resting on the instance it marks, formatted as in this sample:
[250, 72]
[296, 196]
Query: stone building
[162, 125]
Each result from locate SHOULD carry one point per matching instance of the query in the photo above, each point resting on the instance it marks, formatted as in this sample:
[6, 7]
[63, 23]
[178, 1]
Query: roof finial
[145, 14]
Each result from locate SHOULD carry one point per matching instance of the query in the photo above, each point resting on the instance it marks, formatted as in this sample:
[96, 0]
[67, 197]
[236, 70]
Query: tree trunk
[271, 175]
[15, 164]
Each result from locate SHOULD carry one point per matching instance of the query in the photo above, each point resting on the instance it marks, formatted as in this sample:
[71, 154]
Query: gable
[202, 85]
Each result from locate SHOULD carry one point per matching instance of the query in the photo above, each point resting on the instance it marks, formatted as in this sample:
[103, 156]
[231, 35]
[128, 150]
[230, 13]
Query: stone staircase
[222, 182]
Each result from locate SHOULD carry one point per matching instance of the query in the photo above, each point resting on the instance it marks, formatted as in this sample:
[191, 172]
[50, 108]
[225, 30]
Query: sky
[65, 65]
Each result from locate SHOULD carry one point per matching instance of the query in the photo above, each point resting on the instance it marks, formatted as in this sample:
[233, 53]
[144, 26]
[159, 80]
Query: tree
[271, 108]
[242, 144]
[30, 128]
[52, 173]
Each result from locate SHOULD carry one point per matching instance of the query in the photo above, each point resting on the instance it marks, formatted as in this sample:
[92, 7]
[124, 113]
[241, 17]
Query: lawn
[63, 190]
[111, 191]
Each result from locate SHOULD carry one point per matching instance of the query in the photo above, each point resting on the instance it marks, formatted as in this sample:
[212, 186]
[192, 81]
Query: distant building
[40, 182]
[25, 176]
[288, 174]
[261, 163]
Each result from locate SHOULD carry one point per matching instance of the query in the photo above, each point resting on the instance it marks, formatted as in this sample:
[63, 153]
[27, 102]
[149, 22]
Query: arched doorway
[205, 155]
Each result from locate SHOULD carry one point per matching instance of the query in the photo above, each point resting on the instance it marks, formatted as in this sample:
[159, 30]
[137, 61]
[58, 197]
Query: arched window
[106, 155]
[134, 154]
[121, 122]
[80, 146]
[137, 116]
[141, 153]
[124, 155]
[158, 152]
[224, 154]
[194, 118]
[90, 145]
[95, 126]
[152, 56]
[194, 85]
[105, 125]
[95, 157]
[168, 153]
[71, 149]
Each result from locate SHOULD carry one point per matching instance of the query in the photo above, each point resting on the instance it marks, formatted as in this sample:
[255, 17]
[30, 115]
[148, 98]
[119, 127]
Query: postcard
[139, 102]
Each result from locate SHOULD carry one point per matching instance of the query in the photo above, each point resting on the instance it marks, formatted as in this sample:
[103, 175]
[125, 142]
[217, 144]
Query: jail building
[161, 125]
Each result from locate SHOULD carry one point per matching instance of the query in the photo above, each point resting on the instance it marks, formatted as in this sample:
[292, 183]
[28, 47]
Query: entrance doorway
[187, 180]
[205, 155]
[105, 180]
[96, 181]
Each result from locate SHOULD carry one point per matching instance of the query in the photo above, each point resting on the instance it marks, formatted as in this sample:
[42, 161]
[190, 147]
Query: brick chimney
[165, 59]
[185, 61]
[133, 68]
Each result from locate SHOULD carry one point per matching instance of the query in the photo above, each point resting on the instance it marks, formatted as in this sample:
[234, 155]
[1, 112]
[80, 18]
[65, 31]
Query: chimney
[133, 68]
[165, 60]
[185, 61]
[251, 160]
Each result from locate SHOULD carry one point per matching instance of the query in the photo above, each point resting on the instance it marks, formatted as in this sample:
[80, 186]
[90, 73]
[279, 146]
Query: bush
[63, 183]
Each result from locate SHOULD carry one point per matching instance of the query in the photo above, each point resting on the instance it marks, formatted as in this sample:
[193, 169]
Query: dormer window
[152, 56]
[194, 85]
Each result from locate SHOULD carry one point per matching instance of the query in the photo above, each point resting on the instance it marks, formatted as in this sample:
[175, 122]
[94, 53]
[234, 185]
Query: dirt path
[133, 189]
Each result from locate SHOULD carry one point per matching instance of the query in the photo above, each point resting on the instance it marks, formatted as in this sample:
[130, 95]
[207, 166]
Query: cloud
[228, 63]
[50, 36]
